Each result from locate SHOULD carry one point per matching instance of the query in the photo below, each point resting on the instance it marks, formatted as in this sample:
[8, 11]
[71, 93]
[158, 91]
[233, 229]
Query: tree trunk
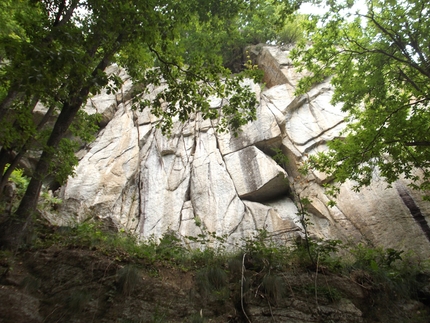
[7, 102]
[18, 227]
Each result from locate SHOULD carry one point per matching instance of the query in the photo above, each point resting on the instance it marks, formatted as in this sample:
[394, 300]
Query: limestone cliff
[199, 179]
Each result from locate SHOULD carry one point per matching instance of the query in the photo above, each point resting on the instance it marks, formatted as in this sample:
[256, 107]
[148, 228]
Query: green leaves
[379, 62]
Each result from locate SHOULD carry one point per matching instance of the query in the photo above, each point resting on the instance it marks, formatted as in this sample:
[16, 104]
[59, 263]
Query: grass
[77, 301]
[128, 279]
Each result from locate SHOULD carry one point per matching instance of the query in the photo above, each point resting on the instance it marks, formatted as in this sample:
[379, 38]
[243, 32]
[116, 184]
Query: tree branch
[401, 45]
[67, 15]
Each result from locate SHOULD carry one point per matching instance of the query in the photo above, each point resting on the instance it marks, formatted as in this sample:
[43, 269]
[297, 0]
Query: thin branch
[59, 12]
[417, 144]
[185, 71]
[401, 45]
[241, 288]
[67, 15]
[316, 283]
[409, 80]
[379, 131]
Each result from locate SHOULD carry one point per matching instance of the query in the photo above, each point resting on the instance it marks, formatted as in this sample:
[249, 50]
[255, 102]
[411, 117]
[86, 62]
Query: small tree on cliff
[55, 52]
[380, 61]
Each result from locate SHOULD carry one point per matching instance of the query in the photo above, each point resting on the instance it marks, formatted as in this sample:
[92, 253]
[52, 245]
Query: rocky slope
[199, 179]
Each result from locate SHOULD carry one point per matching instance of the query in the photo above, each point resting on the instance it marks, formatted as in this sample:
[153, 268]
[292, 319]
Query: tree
[263, 22]
[56, 52]
[379, 60]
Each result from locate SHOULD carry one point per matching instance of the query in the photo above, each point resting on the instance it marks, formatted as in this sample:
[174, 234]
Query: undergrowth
[255, 266]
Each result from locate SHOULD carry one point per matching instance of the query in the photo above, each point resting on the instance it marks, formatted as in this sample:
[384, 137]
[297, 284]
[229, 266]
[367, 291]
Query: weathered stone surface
[106, 170]
[386, 220]
[163, 184]
[315, 122]
[267, 61]
[256, 176]
[199, 180]
[264, 133]
[212, 191]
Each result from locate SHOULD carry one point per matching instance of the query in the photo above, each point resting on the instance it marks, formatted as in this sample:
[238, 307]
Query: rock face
[199, 180]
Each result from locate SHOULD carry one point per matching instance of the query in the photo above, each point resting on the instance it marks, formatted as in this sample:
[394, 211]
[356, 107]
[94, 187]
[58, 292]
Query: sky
[308, 8]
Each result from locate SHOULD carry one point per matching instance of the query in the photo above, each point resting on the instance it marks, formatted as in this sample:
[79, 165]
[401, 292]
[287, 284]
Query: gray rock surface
[199, 179]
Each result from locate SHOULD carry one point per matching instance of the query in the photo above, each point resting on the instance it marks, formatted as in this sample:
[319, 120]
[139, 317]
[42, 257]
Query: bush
[77, 301]
[329, 294]
[211, 279]
[386, 270]
[263, 253]
[128, 279]
[18, 183]
[273, 287]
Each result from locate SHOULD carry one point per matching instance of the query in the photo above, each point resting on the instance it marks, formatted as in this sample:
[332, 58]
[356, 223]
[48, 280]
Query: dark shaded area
[414, 209]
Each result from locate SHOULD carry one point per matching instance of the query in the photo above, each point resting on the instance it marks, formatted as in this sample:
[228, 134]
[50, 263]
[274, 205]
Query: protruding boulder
[255, 175]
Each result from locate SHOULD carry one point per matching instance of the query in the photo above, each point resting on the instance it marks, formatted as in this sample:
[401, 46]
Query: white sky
[307, 8]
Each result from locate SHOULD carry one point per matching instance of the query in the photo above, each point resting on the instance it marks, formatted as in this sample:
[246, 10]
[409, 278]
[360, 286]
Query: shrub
[77, 301]
[128, 279]
[386, 270]
[263, 254]
[17, 189]
[273, 287]
[211, 279]
[330, 294]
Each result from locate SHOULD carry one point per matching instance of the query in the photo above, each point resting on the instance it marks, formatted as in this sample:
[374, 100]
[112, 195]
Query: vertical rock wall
[202, 180]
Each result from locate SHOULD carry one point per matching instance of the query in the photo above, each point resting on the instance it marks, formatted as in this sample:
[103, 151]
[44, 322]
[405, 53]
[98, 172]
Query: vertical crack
[414, 209]
[138, 173]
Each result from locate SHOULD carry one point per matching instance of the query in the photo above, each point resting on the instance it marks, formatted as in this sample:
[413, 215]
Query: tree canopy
[379, 60]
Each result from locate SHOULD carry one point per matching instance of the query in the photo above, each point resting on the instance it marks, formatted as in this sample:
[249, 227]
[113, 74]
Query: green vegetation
[259, 259]
[263, 22]
[128, 278]
[96, 268]
[13, 191]
[378, 58]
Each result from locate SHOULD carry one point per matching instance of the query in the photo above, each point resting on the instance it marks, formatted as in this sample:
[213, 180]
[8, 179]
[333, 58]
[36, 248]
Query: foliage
[386, 272]
[18, 184]
[49, 201]
[303, 215]
[252, 70]
[212, 280]
[263, 253]
[259, 266]
[318, 253]
[378, 60]
[280, 158]
[375, 258]
[330, 294]
[207, 246]
[21, 181]
[292, 31]
[262, 22]
[274, 287]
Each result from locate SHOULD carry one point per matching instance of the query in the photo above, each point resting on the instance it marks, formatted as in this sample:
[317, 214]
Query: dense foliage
[379, 56]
